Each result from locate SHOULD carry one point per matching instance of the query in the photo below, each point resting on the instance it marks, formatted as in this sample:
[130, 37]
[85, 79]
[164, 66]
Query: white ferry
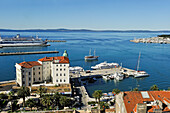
[21, 41]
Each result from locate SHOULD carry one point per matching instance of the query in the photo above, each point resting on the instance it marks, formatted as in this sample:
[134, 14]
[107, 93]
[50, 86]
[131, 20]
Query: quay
[55, 40]
[26, 53]
[101, 72]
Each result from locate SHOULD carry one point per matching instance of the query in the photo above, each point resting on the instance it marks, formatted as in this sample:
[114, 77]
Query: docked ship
[105, 65]
[22, 41]
[91, 57]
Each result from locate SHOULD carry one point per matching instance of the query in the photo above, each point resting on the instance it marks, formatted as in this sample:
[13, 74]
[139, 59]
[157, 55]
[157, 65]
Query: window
[39, 68]
[60, 65]
[60, 80]
[34, 73]
[22, 76]
[57, 74]
[57, 80]
[29, 78]
[29, 73]
[64, 74]
[56, 65]
[39, 73]
[64, 69]
[60, 69]
[33, 68]
[64, 65]
[60, 74]
[56, 69]
[64, 80]
[29, 84]
[23, 71]
[39, 78]
[34, 79]
[23, 82]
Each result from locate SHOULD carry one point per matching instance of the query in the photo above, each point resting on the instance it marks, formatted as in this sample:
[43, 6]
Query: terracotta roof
[110, 110]
[131, 98]
[152, 109]
[29, 64]
[61, 59]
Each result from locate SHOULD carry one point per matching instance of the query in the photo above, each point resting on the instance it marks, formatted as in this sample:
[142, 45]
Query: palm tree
[154, 88]
[56, 98]
[63, 100]
[23, 92]
[30, 103]
[47, 101]
[97, 95]
[116, 91]
[41, 90]
[10, 98]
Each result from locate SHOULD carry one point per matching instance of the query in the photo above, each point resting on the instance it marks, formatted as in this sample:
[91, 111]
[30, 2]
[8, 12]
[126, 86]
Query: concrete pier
[26, 53]
[56, 40]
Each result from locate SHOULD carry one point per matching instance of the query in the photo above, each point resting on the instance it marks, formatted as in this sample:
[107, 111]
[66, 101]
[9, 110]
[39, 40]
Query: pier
[101, 72]
[26, 53]
[56, 40]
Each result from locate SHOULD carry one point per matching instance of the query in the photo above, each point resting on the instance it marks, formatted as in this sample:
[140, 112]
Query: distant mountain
[78, 30]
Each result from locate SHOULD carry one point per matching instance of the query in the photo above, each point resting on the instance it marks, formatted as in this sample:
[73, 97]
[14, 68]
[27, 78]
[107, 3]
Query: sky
[85, 14]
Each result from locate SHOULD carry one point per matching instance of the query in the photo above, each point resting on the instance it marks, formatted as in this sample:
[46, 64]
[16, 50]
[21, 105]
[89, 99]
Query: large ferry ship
[22, 41]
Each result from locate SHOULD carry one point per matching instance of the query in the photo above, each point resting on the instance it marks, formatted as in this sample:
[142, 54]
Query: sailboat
[91, 57]
[138, 73]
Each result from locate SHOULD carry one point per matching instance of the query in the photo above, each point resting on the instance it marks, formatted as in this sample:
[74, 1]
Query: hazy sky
[85, 14]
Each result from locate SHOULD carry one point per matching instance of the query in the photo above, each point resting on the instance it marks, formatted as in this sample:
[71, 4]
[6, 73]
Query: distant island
[78, 30]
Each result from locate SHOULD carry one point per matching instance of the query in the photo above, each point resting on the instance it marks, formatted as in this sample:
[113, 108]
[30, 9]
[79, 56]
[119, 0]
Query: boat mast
[90, 52]
[94, 52]
[138, 61]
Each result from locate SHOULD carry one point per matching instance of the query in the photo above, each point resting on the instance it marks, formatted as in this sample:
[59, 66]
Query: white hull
[118, 76]
[140, 74]
[22, 44]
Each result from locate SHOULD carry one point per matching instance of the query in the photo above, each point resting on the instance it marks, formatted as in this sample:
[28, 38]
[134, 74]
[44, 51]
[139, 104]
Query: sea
[110, 46]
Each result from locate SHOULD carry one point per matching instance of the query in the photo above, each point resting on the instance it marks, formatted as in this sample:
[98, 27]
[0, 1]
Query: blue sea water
[110, 46]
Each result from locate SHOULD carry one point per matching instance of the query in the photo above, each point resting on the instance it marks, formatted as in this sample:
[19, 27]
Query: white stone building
[54, 69]
[28, 73]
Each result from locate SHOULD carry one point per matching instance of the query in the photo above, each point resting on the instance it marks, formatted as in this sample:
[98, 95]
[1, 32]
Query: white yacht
[118, 76]
[138, 73]
[105, 65]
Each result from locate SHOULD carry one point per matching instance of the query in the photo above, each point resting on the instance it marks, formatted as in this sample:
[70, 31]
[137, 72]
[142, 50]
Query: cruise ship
[105, 65]
[22, 41]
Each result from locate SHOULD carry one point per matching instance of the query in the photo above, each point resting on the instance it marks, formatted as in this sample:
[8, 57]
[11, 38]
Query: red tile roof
[131, 98]
[61, 59]
[29, 64]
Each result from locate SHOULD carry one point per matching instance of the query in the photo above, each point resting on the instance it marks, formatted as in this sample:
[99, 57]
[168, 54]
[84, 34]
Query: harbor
[26, 53]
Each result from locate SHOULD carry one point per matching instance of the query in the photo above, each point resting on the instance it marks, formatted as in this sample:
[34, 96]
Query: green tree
[23, 92]
[116, 91]
[46, 101]
[135, 89]
[97, 95]
[63, 101]
[154, 88]
[10, 98]
[41, 91]
[56, 98]
[30, 103]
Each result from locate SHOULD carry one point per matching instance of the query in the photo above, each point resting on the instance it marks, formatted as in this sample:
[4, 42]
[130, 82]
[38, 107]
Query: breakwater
[25, 53]
[161, 40]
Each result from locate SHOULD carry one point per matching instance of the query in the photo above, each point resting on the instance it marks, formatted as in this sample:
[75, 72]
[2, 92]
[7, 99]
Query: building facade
[54, 69]
[28, 73]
